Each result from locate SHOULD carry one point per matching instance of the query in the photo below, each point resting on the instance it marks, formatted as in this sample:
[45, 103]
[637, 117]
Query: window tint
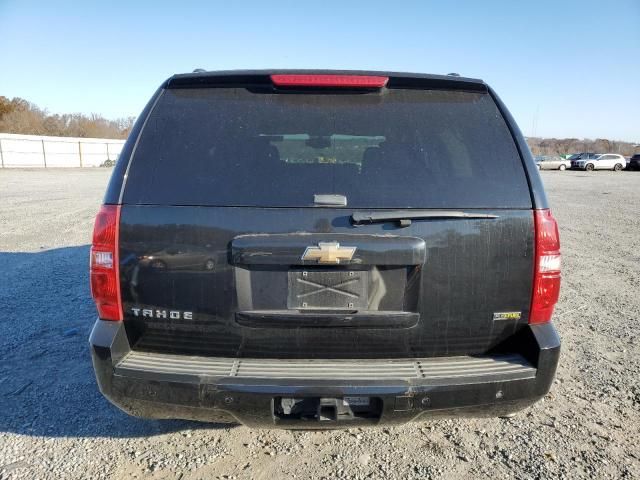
[395, 148]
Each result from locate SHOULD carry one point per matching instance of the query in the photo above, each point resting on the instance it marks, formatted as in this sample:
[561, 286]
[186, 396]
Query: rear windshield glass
[395, 148]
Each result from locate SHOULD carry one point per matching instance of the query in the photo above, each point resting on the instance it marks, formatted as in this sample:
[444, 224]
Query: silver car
[608, 161]
[548, 162]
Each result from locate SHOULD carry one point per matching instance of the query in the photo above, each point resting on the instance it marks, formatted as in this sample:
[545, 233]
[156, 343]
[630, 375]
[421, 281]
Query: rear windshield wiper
[404, 217]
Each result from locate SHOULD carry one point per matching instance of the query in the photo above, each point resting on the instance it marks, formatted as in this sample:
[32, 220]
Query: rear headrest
[390, 158]
[371, 154]
[273, 153]
[262, 151]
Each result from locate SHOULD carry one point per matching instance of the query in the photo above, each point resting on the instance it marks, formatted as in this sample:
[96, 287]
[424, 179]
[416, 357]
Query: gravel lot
[55, 424]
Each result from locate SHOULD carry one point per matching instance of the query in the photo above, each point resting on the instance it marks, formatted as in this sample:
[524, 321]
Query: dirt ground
[55, 424]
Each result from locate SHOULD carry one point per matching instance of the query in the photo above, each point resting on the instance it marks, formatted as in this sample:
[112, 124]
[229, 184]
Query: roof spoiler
[263, 78]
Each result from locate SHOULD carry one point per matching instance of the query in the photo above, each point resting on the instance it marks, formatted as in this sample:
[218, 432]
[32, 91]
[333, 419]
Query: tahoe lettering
[160, 313]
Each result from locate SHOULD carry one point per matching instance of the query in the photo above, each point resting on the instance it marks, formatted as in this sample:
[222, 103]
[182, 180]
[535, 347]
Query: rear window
[395, 148]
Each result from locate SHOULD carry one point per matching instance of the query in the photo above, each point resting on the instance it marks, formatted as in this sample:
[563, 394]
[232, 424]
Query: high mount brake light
[329, 81]
[546, 278]
[104, 269]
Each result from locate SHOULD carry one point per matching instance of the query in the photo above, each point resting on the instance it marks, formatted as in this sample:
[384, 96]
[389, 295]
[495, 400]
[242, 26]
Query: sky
[564, 68]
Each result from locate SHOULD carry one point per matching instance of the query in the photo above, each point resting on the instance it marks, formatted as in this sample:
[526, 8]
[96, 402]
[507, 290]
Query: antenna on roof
[199, 70]
[453, 74]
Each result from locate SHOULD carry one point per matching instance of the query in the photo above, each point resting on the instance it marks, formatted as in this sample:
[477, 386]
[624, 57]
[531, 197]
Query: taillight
[319, 80]
[546, 279]
[104, 271]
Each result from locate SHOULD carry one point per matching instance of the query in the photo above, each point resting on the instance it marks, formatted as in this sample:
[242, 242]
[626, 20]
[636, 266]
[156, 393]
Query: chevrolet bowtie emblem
[329, 252]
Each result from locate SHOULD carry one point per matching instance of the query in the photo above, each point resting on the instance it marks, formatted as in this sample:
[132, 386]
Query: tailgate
[229, 282]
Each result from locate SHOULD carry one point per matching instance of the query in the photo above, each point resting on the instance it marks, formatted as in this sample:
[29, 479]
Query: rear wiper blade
[404, 217]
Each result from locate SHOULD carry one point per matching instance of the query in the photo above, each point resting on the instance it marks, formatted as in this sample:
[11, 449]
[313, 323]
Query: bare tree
[565, 146]
[19, 116]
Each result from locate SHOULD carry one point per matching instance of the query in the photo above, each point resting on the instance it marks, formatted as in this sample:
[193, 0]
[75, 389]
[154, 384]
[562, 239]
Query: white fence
[26, 151]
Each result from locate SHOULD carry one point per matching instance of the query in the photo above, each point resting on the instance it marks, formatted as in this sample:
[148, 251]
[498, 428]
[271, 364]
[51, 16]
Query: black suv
[634, 162]
[323, 250]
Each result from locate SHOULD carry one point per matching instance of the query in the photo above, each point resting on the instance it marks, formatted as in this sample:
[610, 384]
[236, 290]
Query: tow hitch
[326, 410]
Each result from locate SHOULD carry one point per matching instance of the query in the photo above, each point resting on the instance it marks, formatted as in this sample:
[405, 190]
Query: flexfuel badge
[507, 315]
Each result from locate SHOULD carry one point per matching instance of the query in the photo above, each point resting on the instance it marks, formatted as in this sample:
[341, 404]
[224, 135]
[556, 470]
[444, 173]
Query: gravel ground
[55, 424]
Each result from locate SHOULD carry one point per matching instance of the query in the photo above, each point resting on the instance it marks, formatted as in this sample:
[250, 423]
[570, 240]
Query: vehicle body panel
[221, 395]
[469, 272]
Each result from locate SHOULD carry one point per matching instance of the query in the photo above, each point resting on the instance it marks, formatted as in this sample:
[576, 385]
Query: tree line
[18, 115]
[564, 146]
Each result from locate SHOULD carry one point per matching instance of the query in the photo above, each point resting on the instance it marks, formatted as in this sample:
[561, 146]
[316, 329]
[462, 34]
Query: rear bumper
[245, 391]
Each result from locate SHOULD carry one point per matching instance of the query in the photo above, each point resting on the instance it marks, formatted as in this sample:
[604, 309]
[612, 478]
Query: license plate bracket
[311, 289]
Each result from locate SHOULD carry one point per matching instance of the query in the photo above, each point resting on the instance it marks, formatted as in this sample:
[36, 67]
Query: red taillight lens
[346, 81]
[104, 271]
[546, 279]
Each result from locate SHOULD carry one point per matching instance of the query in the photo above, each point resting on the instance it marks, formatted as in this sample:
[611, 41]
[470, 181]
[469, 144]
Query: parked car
[634, 162]
[552, 163]
[385, 253]
[576, 157]
[608, 161]
[193, 257]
